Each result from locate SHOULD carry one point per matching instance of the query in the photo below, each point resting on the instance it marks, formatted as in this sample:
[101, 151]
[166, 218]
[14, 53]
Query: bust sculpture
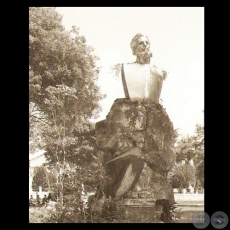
[137, 131]
[142, 80]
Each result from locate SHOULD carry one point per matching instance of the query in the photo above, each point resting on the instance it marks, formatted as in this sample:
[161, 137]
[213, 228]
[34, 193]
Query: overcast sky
[176, 35]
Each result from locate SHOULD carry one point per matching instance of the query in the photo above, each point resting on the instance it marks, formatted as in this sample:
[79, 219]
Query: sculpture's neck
[142, 60]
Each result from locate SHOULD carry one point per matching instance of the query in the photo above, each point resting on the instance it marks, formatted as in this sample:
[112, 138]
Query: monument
[137, 135]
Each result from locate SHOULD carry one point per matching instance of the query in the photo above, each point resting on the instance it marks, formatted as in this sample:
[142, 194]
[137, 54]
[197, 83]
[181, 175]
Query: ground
[185, 214]
[188, 208]
[37, 214]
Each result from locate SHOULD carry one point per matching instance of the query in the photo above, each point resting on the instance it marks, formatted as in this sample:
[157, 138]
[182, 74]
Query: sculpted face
[141, 48]
[143, 45]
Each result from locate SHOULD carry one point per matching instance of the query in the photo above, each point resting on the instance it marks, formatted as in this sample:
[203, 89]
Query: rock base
[140, 210]
[136, 210]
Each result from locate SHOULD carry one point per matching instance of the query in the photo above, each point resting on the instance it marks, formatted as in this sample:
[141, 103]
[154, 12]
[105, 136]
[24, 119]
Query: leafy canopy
[62, 68]
[63, 95]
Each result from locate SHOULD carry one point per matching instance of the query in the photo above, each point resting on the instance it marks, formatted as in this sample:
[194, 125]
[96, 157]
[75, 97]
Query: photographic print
[116, 115]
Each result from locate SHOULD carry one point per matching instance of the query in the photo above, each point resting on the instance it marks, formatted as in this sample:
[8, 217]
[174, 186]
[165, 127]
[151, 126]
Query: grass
[40, 214]
[37, 214]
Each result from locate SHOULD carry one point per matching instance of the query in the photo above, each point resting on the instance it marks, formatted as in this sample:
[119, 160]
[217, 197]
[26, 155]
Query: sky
[176, 36]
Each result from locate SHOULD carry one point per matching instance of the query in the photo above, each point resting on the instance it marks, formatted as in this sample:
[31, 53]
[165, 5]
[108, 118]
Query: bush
[183, 175]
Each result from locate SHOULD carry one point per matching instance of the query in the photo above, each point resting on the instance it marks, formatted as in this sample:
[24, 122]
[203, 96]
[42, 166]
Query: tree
[183, 175]
[185, 149]
[37, 125]
[62, 79]
[200, 173]
[40, 178]
[62, 86]
[199, 150]
[77, 152]
[192, 148]
[61, 67]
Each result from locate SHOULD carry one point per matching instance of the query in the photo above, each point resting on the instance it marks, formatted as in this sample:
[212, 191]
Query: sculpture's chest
[142, 82]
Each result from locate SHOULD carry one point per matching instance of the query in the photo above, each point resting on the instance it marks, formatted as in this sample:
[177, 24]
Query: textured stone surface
[132, 134]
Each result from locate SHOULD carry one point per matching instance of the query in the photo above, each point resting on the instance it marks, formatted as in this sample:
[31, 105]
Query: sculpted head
[140, 46]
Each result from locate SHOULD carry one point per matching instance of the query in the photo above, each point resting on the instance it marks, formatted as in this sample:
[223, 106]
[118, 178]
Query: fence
[188, 197]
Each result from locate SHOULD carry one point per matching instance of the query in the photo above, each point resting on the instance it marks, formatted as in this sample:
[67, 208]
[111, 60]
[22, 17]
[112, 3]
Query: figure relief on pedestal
[137, 131]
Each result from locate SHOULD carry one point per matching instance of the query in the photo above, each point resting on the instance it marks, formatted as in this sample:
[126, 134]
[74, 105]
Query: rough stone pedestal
[140, 210]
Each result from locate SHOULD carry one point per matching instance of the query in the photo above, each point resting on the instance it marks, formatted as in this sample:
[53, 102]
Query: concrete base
[139, 210]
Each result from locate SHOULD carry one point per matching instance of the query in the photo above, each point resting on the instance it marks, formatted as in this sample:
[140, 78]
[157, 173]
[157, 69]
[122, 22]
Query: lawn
[37, 214]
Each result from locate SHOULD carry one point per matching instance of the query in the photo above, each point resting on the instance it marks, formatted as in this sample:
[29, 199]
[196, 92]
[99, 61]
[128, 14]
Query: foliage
[116, 70]
[74, 154]
[40, 178]
[37, 126]
[63, 95]
[200, 173]
[37, 215]
[184, 149]
[62, 88]
[62, 68]
[199, 148]
[192, 148]
[183, 175]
